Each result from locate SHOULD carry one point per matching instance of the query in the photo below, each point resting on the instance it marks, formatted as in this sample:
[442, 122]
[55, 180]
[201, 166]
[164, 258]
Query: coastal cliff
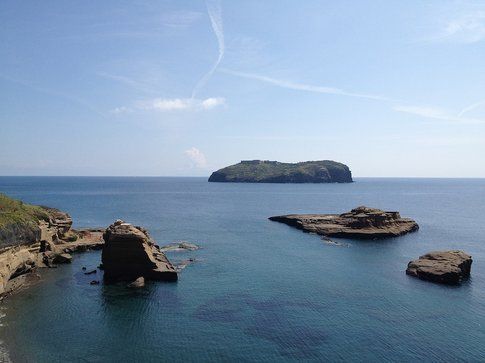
[34, 237]
[264, 171]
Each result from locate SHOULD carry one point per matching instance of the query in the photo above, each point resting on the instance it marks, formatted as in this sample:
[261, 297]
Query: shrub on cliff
[19, 222]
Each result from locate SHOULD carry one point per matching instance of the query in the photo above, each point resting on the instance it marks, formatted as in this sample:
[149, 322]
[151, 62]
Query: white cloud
[121, 109]
[196, 157]
[169, 104]
[436, 114]
[212, 102]
[467, 28]
[302, 86]
[181, 104]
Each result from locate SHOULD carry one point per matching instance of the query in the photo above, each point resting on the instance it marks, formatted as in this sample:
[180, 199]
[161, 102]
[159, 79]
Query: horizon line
[203, 176]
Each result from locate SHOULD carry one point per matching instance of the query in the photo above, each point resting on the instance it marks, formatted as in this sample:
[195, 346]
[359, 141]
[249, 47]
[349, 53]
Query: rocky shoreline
[19, 264]
[36, 237]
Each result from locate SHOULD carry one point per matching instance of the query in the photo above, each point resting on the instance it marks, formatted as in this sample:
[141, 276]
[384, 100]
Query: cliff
[33, 236]
[264, 171]
[19, 222]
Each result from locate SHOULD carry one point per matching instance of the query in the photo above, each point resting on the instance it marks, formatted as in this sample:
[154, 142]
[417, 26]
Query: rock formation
[264, 171]
[130, 253]
[361, 222]
[446, 267]
[34, 237]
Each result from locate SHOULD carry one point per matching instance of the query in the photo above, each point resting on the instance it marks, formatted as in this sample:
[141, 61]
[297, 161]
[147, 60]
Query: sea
[257, 291]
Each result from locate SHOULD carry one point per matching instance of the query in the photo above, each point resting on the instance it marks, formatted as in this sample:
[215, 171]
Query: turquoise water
[260, 290]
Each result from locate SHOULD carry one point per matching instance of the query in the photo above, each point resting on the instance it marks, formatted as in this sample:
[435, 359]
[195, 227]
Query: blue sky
[391, 88]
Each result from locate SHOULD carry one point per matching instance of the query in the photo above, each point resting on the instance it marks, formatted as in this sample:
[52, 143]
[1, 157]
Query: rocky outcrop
[445, 267]
[21, 223]
[34, 237]
[361, 222]
[61, 221]
[265, 171]
[130, 253]
[13, 263]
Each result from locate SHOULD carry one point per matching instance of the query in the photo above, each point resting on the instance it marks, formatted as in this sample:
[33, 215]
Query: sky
[181, 88]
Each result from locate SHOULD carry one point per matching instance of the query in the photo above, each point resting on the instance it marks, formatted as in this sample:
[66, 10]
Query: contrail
[303, 86]
[471, 107]
[51, 92]
[215, 14]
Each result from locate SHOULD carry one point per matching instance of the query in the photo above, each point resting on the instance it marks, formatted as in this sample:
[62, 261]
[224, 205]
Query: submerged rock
[129, 253]
[446, 267]
[179, 246]
[139, 282]
[361, 222]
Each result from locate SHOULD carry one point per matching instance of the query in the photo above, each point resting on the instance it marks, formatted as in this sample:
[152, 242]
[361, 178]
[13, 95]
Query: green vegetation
[257, 171]
[19, 221]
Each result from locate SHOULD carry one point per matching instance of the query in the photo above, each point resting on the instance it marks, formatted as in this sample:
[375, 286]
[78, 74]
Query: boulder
[62, 258]
[445, 267]
[52, 258]
[361, 222]
[130, 253]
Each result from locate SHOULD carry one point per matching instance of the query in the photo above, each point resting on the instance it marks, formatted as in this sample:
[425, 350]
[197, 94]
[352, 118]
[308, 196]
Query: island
[443, 267]
[361, 222]
[265, 171]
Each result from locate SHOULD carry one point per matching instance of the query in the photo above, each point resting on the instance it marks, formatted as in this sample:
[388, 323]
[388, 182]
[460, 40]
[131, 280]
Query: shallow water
[260, 290]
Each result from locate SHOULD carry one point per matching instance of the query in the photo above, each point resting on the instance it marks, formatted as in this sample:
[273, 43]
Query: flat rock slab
[361, 222]
[445, 267]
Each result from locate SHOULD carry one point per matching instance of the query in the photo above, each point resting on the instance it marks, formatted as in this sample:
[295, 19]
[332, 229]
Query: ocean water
[259, 290]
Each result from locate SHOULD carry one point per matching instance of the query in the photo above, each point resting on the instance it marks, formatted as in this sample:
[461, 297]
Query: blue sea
[259, 291]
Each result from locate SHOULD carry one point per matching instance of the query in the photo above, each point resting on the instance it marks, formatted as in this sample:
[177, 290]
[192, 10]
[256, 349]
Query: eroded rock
[446, 267]
[130, 253]
[361, 222]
